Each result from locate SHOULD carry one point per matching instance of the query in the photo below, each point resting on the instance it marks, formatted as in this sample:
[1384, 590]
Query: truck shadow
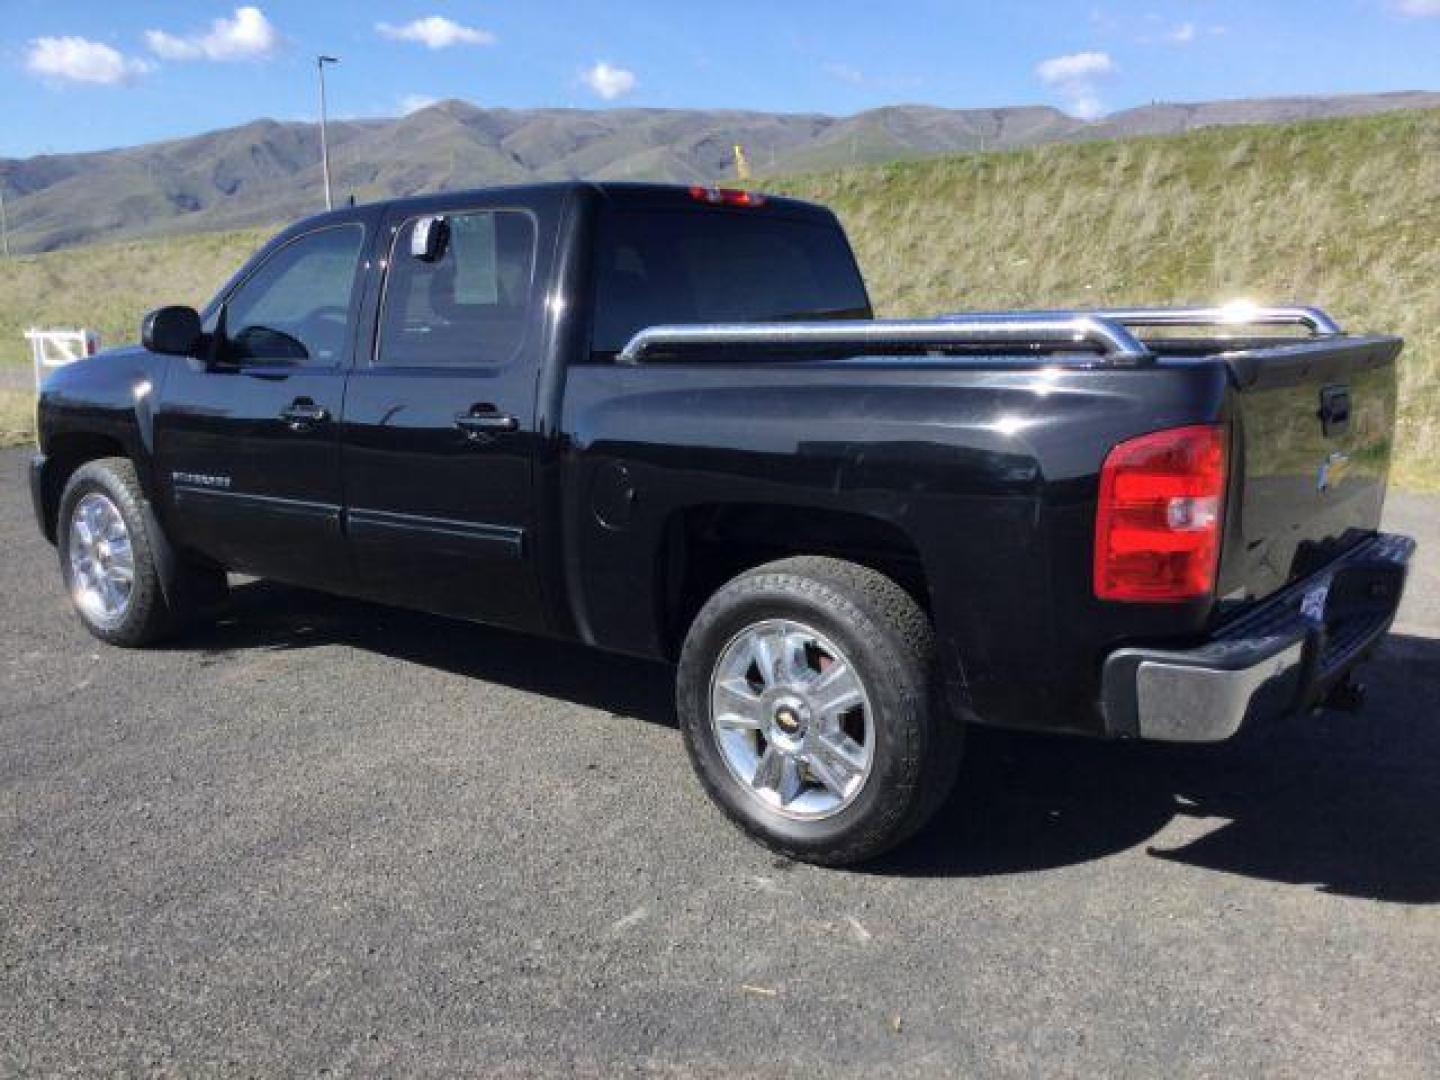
[1344, 804]
[268, 615]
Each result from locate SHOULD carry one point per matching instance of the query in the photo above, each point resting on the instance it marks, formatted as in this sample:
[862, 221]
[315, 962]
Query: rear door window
[468, 307]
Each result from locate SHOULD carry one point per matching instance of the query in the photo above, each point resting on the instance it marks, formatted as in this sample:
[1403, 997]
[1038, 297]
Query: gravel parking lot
[327, 837]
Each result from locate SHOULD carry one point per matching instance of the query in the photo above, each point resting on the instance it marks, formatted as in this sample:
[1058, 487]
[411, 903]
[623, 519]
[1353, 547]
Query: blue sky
[80, 74]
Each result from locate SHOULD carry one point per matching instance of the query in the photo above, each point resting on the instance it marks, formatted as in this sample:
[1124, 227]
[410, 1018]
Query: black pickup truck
[664, 421]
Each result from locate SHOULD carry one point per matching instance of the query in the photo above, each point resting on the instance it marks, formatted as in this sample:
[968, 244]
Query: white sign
[56, 348]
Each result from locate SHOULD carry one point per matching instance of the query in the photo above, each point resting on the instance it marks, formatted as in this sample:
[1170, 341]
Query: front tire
[108, 559]
[811, 709]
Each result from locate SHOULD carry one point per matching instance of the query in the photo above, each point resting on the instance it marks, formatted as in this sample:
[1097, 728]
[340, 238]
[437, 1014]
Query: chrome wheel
[792, 719]
[102, 561]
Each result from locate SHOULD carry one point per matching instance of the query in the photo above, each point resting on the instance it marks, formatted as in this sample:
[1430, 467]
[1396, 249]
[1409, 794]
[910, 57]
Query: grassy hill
[268, 171]
[109, 286]
[1343, 213]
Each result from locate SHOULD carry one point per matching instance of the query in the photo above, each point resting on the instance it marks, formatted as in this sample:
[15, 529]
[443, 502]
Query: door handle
[481, 421]
[302, 413]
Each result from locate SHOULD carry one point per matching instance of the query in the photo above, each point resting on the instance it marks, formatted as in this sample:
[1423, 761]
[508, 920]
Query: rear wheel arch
[706, 545]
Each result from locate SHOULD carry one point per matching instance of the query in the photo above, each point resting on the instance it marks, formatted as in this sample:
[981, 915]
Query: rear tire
[107, 545]
[818, 766]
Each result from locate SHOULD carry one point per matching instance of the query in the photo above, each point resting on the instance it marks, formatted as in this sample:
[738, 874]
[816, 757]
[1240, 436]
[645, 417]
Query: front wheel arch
[64, 455]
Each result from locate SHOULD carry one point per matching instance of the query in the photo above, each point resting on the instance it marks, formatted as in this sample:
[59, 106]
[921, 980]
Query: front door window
[295, 308]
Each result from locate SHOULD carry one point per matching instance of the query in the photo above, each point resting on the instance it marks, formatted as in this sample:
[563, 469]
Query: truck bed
[1304, 490]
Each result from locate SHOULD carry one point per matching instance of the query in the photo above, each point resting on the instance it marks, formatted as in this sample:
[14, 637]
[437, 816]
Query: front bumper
[1281, 657]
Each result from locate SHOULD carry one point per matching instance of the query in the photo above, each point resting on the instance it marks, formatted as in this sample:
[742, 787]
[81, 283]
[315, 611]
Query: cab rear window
[712, 265]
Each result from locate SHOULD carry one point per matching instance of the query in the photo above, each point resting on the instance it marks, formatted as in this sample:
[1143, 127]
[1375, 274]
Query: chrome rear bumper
[1280, 657]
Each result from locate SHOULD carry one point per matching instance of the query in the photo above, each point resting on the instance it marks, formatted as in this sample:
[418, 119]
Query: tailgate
[1314, 426]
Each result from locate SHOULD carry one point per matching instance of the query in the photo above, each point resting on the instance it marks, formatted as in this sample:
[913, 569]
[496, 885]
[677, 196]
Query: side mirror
[429, 238]
[172, 331]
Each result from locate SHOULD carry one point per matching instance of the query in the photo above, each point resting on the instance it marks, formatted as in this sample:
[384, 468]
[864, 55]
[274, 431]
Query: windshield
[710, 266]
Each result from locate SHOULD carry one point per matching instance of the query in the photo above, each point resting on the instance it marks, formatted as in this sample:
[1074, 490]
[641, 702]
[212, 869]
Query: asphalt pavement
[324, 837]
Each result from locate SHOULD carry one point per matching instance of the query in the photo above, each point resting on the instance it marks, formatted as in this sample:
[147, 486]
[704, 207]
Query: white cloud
[845, 73]
[415, 102]
[1075, 76]
[78, 59]
[246, 35]
[1186, 33]
[608, 81]
[1082, 65]
[436, 32]
[1417, 9]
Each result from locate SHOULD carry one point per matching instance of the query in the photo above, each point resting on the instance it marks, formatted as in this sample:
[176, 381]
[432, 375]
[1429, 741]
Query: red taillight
[1157, 527]
[718, 196]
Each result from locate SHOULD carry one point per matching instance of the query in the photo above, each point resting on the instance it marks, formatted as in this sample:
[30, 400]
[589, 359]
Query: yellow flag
[742, 167]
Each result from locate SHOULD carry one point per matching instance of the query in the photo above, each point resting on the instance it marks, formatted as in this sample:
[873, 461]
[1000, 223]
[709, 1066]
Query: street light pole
[320, 62]
[4, 224]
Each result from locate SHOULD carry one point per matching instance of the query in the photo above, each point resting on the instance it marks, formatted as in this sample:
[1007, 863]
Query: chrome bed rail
[1061, 331]
[1105, 331]
[1234, 315]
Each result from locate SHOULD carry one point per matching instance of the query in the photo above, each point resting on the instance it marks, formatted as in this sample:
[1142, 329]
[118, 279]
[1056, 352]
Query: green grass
[108, 287]
[17, 416]
[1342, 213]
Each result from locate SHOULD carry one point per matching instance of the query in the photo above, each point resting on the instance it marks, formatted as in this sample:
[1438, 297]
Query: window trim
[357, 293]
[397, 227]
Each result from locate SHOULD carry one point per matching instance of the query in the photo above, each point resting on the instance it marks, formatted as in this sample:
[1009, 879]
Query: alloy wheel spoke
[824, 770]
[764, 652]
[791, 782]
[780, 773]
[769, 769]
[736, 705]
[836, 690]
[836, 762]
[121, 555]
[796, 666]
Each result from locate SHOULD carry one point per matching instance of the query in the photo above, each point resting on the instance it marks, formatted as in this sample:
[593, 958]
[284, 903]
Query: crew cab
[664, 421]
